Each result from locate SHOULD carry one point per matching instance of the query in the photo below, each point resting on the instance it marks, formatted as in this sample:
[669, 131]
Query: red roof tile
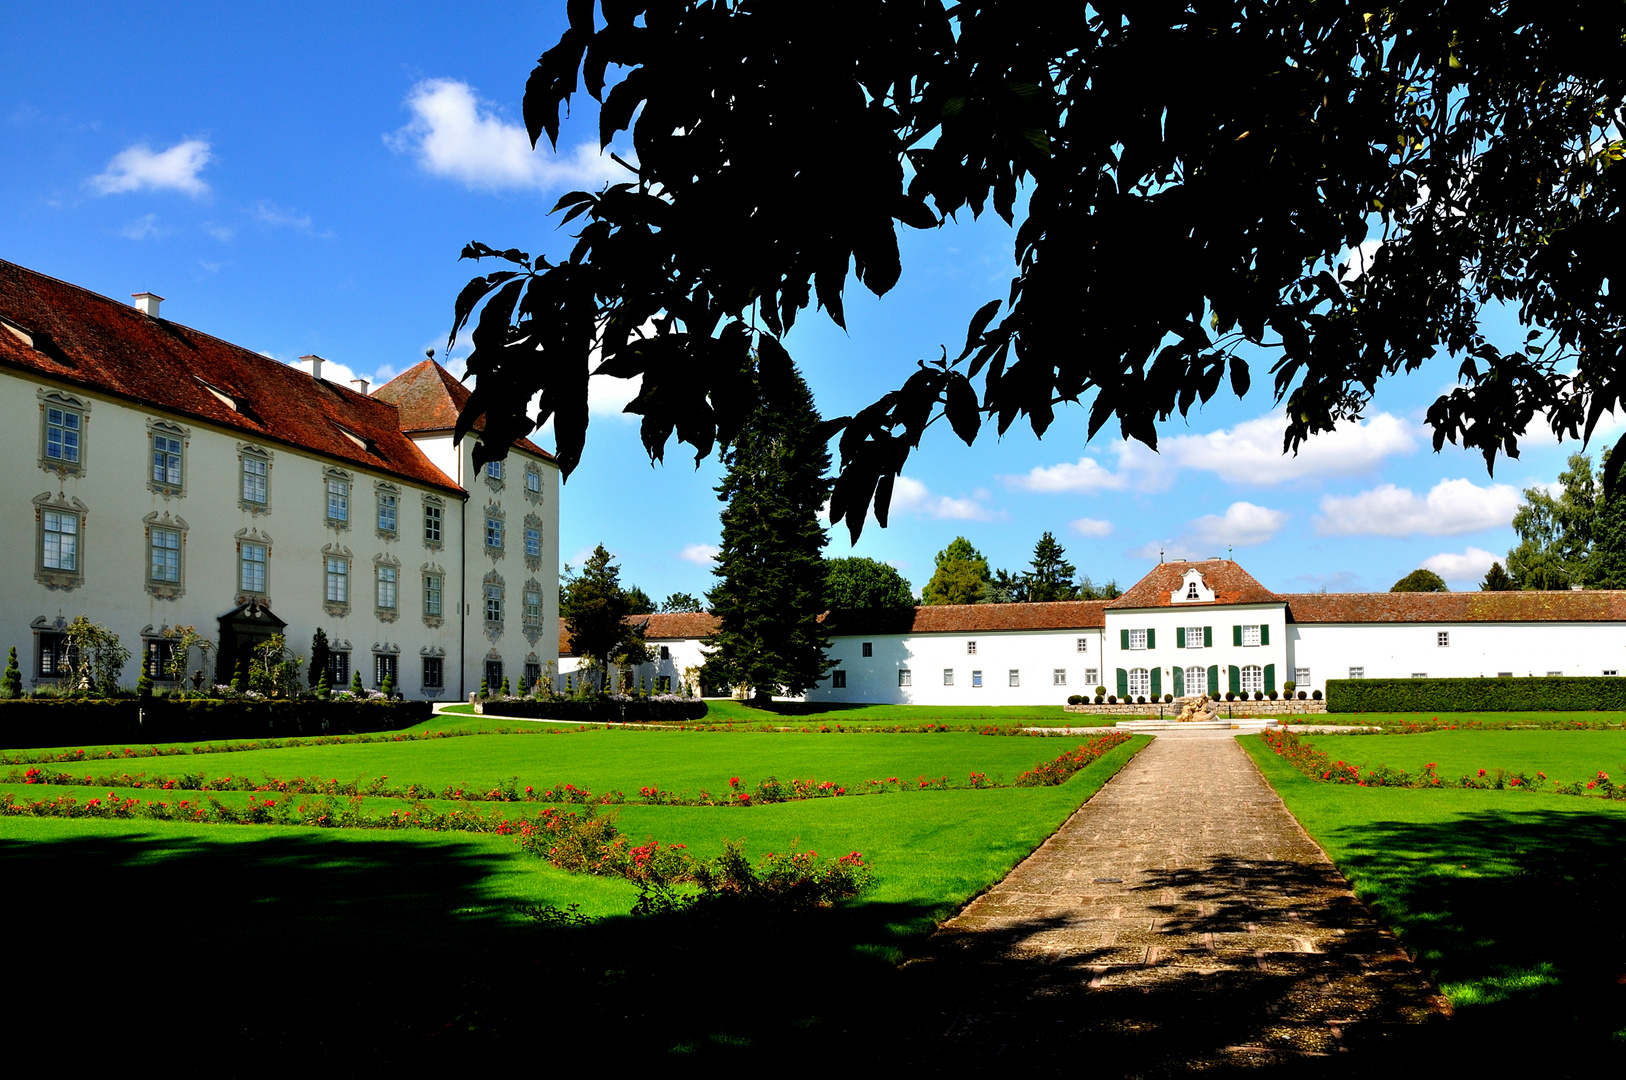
[88, 340]
[430, 399]
[1231, 585]
[970, 618]
[1591, 605]
[657, 627]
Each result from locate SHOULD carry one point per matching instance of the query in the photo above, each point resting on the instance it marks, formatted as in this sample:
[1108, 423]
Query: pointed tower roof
[429, 399]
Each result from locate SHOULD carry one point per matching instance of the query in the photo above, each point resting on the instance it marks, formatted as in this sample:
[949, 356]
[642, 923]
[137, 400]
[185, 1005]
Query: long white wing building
[174, 479]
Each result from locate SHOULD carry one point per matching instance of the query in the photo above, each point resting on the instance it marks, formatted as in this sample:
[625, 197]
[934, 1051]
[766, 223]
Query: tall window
[838, 679]
[1253, 679]
[60, 550]
[1137, 639]
[166, 555]
[533, 481]
[948, 676]
[976, 680]
[166, 459]
[338, 500]
[533, 608]
[255, 474]
[494, 533]
[533, 543]
[387, 580]
[62, 428]
[1196, 679]
[494, 603]
[385, 665]
[1015, 677]
[431, 524]
[338, 580]
[1083, 644]
[386, 513]
[338, 670]
[434, 673]
[533, 674]
[1301, 677]
[1140, 682]
[493, 675]
[431, 594]
[56, 659]
[251, 568]
[158, 656]
[904, 678]
[867, 648]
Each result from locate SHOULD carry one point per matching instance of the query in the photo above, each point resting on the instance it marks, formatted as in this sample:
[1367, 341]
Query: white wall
[1035, 655]
[1398, 650]
[1166, 656]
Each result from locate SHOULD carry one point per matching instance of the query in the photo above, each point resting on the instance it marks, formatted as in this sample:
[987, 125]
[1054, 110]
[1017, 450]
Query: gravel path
[1181, 921]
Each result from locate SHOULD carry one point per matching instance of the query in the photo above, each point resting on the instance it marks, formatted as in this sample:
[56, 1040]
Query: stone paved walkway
[1181, 921]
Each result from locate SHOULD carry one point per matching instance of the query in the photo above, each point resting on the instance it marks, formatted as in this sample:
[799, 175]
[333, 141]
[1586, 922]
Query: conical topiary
[388, 685]
[355, 683]
[485, 687]
[324, 689]
[237, 680]
[11, 683]
[143, 684]
[504, 686]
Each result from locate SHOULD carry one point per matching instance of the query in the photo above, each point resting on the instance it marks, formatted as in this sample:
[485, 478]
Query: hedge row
[34, 723]
[607, 711]
[1536, 694]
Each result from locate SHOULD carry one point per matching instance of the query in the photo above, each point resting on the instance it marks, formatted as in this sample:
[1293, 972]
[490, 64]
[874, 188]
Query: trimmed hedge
[1552, 693]
[28, 724]
[604, 711]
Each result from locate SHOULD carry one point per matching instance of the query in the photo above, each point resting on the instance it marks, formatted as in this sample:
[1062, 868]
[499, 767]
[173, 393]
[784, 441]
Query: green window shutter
[1123, 683]
[1179, 682]
[1208, 637]
[1213, 680]
[1236, 679]
[1270, 678]
[1151, 639]
[1157, 682]
[1123, 640]
[1264, 633]
[1236, 635]
[1179, 637]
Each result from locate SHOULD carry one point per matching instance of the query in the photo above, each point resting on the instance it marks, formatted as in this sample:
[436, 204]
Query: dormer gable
[1193, 589]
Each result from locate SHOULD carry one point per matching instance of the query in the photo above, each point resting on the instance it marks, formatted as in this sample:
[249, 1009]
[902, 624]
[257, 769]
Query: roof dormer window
[1193, 590]
[225, 398]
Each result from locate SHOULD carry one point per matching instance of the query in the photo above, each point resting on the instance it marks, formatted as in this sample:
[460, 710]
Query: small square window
[388, 579]
[432, 516]
[494, 470]
[1092, 677]
[533, 543]
[1137, 639]
[1015, 677]
[386, 513]
[1250, 636]
[251, 559]
[867, 648]
[971, 648]
[1357, 673]
[434, 673]
[1194, 637]
[976, 679]
[904, 677]
[1301, 677]
[838, 679]
[1058, 677]
[1083, 644]
[1443, 639]
[948, 676]
[432, 584]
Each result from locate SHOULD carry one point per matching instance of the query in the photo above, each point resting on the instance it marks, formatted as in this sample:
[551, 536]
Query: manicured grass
[1494, 718]
[626, 759]
[721, 711]
[1509, 900]
[1565, 756]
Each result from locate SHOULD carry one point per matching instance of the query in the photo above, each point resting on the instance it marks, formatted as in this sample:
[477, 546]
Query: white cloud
[270, 213]
[911, 496]
[454, 134]
[142, 227]
[699, 554]
[1092, 527]
[1251, 452]
[1139, 468]
[137, 167]
[335, 372]
[1450, 508]
[1243, 524]
[219, 232]
[1470, 566]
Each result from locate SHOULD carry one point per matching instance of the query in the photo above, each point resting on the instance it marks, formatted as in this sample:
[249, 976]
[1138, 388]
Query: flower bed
[67, 721]
[610, 710]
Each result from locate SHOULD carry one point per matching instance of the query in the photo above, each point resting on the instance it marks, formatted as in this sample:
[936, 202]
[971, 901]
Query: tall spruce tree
[596, 607]
[770, 570]
[1607, 569]
[1052, 575]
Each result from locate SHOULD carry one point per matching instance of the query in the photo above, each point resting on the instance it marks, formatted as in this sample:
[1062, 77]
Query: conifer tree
[770, 571]
[1052, 575]
[596, 607]
[961, 576]
[1497, 579]
[319, 657]
[324, 688]
[1608, 562]
[11, 683]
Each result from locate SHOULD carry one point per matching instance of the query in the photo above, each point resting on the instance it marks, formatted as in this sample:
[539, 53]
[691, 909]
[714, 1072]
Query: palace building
[181, 480]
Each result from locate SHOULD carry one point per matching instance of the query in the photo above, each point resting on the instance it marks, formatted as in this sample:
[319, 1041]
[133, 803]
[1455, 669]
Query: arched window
[1253, 679]
[1191, 591]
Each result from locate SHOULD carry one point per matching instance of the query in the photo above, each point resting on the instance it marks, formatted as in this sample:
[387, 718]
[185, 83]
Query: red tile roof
[970, 618]
[430, 399]
[1231, 585]
[88, 340]
[657, 627]
[1592, 605]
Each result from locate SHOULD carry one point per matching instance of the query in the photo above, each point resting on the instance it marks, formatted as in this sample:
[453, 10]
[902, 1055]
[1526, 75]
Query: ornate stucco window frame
[425, 572]
[533, 629]
[383, 490]
[338, 608]
[165, 590]
[393, 652]
[534, 562]
[58, 399]
[533, 475]
[249, 452]
[170, 430]
[382, 562]
[438, 654]
[493, 512]
[438, 505]
[251, 535]
[57, 577]
[329, 476]
[493, 627]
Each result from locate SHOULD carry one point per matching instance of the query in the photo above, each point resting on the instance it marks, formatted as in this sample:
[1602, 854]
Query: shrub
[1271, 695]
[1100, 691]
[1168, 698]
[77, 721]
[11, 683]
[1141, 700]
[1315, 695]
[1540, 693]
[1288, 687]
[355, 684]
[661, 708]
[1258, 695]
[1230, 695]
[1100, 699]
[1075, 699]
[1112, 699]
[1303, 695]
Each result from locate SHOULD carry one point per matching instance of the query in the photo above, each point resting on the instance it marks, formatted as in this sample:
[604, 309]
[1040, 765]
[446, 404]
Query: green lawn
[1493, 718]
[1565, 756]
[626, 759]
[1509, 900]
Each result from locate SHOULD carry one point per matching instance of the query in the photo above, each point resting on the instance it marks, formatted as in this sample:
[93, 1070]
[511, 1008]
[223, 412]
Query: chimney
[360, 386]
[316, 365]
[147, 302]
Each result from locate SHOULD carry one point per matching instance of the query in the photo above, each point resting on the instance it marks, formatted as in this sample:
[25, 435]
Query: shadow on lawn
[1527, 905]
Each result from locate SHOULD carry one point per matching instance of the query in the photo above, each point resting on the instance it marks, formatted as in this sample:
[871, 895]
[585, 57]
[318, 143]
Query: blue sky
[300, 179]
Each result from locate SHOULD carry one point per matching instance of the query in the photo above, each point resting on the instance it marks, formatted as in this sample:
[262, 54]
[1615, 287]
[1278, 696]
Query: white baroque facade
[174, 479]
